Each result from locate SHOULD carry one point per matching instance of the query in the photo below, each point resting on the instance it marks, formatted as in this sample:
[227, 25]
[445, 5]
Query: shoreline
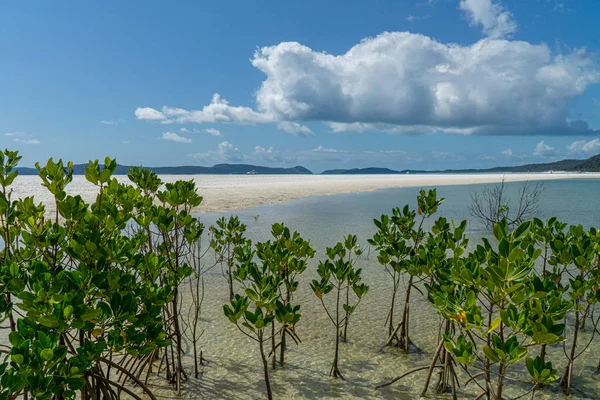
[238, 192]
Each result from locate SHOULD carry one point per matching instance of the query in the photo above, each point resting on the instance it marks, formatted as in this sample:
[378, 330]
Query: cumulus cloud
[405, 83]
[271, 154]
[213, 132]
[149, 114]
[106, 122]
[543, 150]
[406, 79]
[493, 18]
[294, 128]
[322, 149]
[225, 152]
[507, 153]
[15, 134]
[218, 110]
[173, 137]
[585, 147]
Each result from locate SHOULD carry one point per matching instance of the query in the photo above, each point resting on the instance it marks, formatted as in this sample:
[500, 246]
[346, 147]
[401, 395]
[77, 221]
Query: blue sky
[422, 84]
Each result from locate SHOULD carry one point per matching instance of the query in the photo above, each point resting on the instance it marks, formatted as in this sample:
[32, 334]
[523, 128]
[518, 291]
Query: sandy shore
[236, 192]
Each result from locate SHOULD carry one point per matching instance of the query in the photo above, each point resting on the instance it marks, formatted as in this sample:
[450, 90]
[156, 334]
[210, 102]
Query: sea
[234, 370]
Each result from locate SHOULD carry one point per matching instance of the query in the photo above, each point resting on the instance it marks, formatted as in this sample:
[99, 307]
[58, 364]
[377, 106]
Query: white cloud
[173, 137]
[295, 129]
[218, 110]
[149, 114]
[27, 141]
[495, 21]
[585, 147]
[507, 153]
[543, 150]
[225, 152]
[213, 132]
[271, 154]
[16, 134]
[105, 122]
[125, 141]
[399, 82]
[322, 149]
[408, 80]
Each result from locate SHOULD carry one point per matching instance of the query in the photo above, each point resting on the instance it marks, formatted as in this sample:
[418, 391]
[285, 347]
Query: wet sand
[238, 192]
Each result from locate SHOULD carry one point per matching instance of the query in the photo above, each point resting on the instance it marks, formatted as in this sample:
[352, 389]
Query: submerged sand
[237, 192]
[233, 367]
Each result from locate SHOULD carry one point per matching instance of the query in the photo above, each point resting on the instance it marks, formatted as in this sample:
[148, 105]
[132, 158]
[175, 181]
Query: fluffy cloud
[294, 128]
[149, 114]
[225, 152]
[405, 83]
[173, 137]
[543, 150]
[585, 147]
[213, 132]
[322, 149]
[271, 154]
[218, 110]
[507, 153]
[410, 80]
[495, 21]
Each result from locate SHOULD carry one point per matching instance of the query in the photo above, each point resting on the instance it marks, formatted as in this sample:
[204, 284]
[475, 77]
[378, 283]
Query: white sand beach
[237, 192]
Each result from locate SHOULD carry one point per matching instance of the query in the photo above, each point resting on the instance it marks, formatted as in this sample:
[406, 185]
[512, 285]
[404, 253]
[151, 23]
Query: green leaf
[47, 354]
[49, 321]
[491, 354]
[495, 323]
[17, 358]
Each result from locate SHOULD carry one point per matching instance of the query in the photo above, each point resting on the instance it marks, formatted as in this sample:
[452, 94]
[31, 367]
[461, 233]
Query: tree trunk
[265, 365]
[404, 334]
[500, 385]
[274, 354]
[335, 372]
[568, 376]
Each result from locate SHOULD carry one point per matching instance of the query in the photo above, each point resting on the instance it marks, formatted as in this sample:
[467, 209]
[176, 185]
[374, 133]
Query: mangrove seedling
[226, 236]
[337, 273]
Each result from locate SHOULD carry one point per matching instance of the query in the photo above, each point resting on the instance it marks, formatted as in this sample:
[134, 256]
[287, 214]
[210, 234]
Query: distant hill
[591, 164]
[219, 169]
[367, 171]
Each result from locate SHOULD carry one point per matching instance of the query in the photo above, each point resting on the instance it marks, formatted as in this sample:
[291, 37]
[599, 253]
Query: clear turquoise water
[234, 367]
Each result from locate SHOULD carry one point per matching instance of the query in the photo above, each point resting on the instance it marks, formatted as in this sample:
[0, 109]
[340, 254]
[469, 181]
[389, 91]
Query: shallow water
[234, 364]
[234, 367]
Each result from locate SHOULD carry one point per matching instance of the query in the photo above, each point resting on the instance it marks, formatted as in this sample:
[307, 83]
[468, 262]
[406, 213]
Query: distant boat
[253, 172]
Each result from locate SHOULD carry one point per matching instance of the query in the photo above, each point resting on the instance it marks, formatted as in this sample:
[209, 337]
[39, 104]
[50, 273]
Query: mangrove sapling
[286, 255]
[191, 319]
[82, 296]
[502, 308]
[178, 232]
[9, 232]
[398, 243]
[337, 273]
[226, 236]
[254, 311]
[354, 251]
[441, 250]
[581, 249]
